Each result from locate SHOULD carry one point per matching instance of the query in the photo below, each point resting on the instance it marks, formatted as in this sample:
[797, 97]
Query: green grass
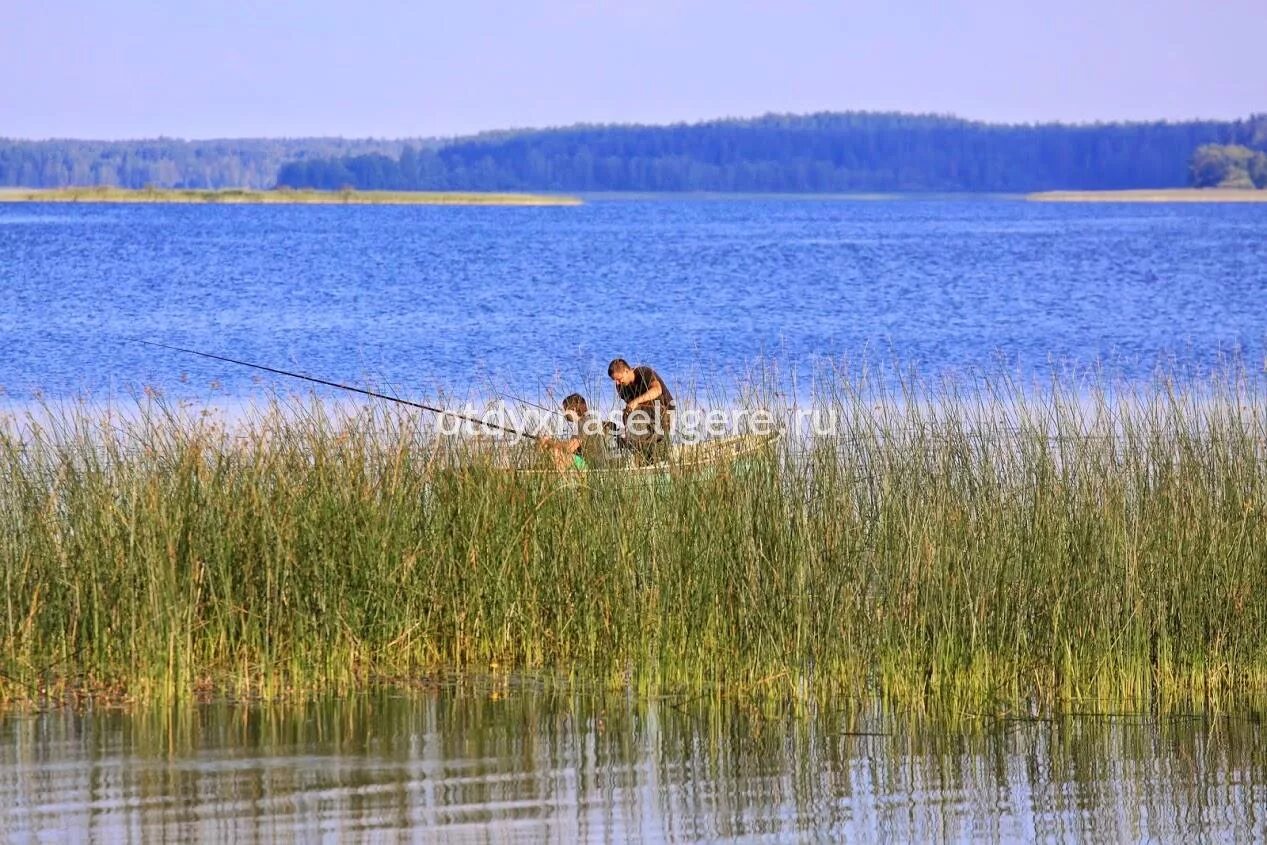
[974, 550]
[280, 195]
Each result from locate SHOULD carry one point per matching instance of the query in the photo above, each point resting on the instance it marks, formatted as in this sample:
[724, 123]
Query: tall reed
[978, 547]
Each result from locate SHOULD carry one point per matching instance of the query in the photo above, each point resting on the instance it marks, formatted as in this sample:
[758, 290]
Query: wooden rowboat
[683, 459]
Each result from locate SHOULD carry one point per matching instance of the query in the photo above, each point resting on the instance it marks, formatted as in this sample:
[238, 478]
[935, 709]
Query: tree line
[851, 151]
[169, 162]
[812, 153]
[1229, 166]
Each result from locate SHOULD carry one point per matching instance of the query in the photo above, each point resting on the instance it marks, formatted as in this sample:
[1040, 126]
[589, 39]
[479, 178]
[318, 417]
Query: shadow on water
[521, 760]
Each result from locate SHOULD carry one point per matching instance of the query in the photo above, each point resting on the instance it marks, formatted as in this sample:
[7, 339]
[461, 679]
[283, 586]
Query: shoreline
[1239, 195]
[250, 196]
[244, 196]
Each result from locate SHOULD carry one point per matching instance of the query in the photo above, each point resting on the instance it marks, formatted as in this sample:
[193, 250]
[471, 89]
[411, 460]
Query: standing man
[648, 403]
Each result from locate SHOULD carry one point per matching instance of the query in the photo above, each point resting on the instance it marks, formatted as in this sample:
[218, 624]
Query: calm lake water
[480, 763]
[468, 300]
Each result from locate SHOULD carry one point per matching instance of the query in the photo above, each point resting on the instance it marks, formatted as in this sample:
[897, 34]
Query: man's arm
[652, 393]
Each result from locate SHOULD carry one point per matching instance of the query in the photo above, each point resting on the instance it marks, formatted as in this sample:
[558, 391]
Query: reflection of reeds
[976, 548]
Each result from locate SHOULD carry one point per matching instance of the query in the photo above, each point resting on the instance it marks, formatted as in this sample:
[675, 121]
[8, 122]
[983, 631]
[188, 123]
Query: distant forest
[814, 153]
[170, 163]
[857, 151]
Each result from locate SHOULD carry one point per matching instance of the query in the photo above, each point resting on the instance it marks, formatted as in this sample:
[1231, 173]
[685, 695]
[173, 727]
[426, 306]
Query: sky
[197, 69]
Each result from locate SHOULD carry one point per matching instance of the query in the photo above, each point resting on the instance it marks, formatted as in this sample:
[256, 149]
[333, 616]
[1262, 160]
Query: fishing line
[338, 385]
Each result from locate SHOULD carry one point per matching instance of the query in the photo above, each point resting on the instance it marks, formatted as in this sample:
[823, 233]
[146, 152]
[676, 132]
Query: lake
[465, 302]
[535, 301]
[518, 760]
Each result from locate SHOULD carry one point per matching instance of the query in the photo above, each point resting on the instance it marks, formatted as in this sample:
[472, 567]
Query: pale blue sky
[216, 68]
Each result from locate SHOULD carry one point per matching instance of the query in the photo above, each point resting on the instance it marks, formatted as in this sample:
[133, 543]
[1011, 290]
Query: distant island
[1154, 195]
[846, 152]
[280, 196]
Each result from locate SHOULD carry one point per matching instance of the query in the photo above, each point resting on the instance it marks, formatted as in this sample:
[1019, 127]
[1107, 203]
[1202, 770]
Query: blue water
[429, 299]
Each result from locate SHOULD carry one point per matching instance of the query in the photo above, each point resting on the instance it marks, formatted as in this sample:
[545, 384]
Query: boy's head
[574, 407]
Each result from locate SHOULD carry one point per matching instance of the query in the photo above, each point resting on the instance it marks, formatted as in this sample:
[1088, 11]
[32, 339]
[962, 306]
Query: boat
[684, 459]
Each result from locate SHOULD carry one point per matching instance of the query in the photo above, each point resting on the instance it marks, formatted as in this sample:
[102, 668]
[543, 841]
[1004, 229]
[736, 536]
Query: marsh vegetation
[978, 547]
[280, 195]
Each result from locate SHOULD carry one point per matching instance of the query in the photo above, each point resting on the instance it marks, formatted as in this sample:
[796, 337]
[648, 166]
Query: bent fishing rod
[347, 387]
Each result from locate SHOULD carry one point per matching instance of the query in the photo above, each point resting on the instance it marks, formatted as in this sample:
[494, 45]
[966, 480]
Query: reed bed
[1153, 195]
[981, 548]
[286, 196]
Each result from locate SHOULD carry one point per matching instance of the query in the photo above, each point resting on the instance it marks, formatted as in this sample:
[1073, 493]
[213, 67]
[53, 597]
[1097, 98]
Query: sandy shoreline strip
[292, 197]
[1153, 195]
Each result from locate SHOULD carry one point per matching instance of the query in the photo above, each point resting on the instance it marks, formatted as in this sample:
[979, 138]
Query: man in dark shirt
[648, 403]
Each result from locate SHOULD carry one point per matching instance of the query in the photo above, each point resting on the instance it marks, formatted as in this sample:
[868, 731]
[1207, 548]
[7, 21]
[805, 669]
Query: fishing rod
[554, 411]
[327, 383]
[608, 425]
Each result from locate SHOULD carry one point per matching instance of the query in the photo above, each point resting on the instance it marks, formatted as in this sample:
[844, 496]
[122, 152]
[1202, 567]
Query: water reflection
[486, 762]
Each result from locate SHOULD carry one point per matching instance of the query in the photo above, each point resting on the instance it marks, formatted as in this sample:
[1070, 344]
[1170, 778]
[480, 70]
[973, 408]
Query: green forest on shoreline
[818, 153]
